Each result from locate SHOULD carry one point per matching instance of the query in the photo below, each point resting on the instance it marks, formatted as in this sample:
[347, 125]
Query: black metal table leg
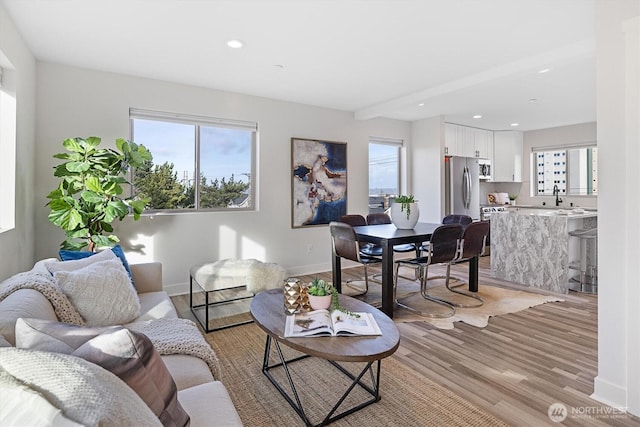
[294, 399]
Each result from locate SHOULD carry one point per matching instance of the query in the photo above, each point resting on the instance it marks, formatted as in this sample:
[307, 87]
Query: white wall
[618, 94]
[427, 167]
[17, 245]
[76, 102]
[574, 134]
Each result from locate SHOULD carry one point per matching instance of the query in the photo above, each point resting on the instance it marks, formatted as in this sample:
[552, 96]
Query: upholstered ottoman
[228, 281]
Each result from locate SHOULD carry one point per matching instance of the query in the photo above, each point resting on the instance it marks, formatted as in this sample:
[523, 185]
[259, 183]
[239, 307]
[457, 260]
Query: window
[384, 172]
[7, 145]
[572, 170]
[199, 163]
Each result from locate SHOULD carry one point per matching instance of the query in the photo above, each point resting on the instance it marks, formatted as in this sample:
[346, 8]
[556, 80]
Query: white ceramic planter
[399, 216]
[320, 303]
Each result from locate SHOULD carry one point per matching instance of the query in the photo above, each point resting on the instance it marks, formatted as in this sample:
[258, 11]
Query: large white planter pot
[399, 216]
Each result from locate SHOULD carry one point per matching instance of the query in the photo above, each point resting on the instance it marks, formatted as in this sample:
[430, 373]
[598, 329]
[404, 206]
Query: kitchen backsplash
[522, 190]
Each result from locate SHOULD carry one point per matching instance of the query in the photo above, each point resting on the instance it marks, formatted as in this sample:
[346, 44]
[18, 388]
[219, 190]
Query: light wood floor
[517, 366]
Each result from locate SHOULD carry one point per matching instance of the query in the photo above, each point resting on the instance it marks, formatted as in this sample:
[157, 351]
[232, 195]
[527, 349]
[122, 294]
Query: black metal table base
[294, 399]
[209, 304]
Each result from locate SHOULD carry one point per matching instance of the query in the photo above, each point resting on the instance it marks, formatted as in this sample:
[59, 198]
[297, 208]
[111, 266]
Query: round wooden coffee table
[267, 309]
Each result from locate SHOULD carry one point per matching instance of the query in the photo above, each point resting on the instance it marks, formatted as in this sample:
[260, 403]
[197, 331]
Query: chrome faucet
[556, 192]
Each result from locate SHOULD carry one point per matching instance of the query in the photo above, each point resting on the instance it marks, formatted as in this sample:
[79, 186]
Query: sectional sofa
[31, 334]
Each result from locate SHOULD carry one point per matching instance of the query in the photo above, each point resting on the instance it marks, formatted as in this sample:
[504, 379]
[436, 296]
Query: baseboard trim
[609, 393]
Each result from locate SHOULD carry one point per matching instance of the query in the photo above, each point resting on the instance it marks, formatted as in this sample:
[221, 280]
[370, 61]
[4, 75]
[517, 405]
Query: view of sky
[224, 151]
[383, 168]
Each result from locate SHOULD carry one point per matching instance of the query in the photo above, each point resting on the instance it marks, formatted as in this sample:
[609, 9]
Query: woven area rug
[497, 301]
[408, 399]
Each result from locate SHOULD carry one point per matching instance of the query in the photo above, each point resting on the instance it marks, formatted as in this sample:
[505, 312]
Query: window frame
[8, 144]
[198, 122]
[568, 168]
[399, 145]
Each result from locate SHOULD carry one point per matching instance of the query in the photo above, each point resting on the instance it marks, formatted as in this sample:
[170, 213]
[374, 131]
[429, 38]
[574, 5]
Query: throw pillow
[101, 292]
[79, 262]
[80, 255]
[128, 354]
[83, 391]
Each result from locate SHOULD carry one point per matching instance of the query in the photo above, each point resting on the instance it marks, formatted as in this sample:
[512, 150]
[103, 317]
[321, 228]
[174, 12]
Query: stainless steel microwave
[484, 166]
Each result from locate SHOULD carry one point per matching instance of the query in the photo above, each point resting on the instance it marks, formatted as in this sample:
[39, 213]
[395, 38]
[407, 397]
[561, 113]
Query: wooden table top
[267, 309]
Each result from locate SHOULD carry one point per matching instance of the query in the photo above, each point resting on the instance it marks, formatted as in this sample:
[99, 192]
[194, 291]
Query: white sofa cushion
[23, 303]
[187, 371]
[156, 305]
[101, 292]
[200, 401]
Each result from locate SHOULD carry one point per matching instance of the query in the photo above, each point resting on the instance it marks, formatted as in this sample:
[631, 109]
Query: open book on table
[319, 323]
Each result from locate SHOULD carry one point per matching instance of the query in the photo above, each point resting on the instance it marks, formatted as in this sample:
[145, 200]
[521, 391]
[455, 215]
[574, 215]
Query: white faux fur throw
[229, 273]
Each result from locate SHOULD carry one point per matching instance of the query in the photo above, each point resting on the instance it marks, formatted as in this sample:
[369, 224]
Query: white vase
[399, 216]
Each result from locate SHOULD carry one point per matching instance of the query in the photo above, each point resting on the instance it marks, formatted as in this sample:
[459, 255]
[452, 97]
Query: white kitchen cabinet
[507, 156]
[466, 141]
[483, 143]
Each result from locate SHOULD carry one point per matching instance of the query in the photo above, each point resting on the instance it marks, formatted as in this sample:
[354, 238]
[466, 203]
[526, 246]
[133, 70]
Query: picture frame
[318, 182]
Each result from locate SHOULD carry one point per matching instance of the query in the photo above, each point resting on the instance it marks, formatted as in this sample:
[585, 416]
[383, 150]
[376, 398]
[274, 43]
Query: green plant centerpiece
[513, 196]
[90, 194]
[405, 203]
[322, 288]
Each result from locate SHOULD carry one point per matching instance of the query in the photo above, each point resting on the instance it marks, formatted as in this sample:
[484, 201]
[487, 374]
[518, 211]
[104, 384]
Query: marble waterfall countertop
[532, 246]
[573, 213]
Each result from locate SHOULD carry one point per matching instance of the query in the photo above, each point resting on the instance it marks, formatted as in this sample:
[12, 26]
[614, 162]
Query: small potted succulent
[512, 199]
[320, 294]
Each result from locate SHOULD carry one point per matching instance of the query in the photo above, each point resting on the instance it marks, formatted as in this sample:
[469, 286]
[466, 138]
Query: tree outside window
[198, 163]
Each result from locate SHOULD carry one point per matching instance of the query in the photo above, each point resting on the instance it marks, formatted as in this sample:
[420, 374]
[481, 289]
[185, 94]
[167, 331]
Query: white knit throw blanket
[169, 336]
[47, 286]
[178, 336]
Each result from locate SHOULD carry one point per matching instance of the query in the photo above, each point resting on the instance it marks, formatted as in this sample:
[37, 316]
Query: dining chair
[443, 249]
[472, 245]
[345, 244]
[463, 220]
[357, 220]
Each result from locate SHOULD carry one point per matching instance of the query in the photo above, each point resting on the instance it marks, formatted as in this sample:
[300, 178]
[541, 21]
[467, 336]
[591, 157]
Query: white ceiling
[376, 58]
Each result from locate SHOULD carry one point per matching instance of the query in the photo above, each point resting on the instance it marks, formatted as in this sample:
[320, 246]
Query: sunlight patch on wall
[251, 249]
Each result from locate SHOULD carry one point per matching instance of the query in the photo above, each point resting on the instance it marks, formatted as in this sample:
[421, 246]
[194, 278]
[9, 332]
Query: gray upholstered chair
[443, 249]
[345, 244]
[472, 245]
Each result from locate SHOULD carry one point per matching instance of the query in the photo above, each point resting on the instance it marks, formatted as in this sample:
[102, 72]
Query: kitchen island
[532, 247]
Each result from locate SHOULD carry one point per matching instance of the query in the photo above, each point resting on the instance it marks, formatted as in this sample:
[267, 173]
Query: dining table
[387, 236]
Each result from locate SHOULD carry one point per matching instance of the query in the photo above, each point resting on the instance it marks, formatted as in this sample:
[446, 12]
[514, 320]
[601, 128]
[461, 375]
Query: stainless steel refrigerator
[462, 186]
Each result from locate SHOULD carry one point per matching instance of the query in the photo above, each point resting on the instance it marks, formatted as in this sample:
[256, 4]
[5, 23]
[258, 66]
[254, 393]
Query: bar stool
[587, 279]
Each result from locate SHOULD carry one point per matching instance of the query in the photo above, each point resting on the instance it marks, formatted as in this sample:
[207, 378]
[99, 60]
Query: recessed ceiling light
[477, 116]
[235, 44]
[421, 104]
[544, 70]
[514, 124]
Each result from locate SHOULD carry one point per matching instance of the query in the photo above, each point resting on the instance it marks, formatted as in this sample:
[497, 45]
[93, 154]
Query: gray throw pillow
[129, 355]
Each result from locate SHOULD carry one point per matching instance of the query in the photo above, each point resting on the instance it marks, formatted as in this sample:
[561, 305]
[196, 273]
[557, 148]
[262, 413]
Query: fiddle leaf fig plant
[90, 194]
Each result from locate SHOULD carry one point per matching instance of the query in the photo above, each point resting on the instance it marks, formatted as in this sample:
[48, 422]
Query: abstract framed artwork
[318, 182]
